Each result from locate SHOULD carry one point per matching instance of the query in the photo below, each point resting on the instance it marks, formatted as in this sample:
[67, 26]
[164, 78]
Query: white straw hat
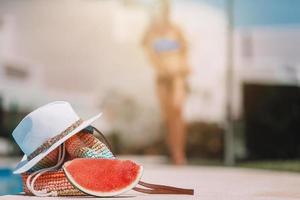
[44, 129]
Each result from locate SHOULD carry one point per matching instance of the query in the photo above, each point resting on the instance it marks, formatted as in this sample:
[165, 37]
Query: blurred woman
[167, 50]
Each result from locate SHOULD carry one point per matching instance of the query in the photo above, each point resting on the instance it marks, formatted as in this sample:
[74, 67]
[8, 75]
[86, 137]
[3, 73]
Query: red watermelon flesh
[103, 177]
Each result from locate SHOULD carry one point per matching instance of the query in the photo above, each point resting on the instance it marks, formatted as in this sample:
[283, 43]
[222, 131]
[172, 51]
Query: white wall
[93, 48]
[87, 41]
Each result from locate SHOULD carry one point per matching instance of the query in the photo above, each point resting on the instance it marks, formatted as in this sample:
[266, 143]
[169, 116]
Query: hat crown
[42, 124]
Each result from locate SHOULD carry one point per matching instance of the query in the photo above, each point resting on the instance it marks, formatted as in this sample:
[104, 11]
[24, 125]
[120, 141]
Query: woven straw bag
[81, 145]
[53, 181]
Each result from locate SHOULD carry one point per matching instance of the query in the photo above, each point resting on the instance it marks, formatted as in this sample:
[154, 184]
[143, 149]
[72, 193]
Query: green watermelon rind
[103, 194]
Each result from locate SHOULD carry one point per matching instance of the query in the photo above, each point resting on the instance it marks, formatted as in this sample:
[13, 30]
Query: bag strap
[162, 189]
[149, 187]
[104, 140]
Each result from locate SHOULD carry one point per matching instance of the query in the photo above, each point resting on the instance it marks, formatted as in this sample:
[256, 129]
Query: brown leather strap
[149, 187]
[162, 189]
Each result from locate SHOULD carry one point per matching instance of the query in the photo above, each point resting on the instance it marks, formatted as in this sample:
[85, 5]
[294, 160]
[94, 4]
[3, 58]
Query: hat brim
[25, 164]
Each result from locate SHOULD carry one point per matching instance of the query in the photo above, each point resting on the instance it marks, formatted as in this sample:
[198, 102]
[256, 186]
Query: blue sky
[262, 12]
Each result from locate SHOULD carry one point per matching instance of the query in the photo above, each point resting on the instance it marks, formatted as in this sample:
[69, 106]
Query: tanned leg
[177, 126]
[164, 93]
[171, 98]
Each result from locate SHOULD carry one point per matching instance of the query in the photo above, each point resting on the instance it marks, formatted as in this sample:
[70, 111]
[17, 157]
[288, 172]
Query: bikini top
[165, 44]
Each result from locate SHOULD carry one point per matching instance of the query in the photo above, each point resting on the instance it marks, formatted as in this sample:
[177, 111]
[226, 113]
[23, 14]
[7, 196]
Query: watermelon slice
[103, 177]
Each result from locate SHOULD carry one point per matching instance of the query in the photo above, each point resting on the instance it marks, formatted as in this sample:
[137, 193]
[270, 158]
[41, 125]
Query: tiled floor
[212, 183]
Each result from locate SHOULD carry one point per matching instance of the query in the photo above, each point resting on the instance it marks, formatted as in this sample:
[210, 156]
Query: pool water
[9, 182]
